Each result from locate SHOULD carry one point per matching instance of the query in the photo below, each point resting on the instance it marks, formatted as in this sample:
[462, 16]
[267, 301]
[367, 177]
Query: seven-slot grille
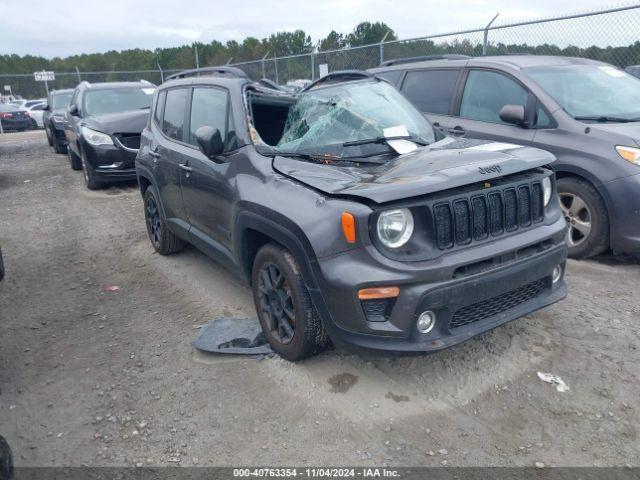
[459, 221]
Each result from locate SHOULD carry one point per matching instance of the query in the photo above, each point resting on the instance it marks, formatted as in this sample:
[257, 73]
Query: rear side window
[392, 76]
[431, 90]
[485, 94]
[208, 108]
[157, 113]
[174, 113]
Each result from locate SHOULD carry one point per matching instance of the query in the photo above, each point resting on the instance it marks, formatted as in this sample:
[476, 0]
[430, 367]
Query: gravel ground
[94, 377]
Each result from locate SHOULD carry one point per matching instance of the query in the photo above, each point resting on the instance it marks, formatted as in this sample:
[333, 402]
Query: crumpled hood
[630, 130]
[446, 164]
[132, 121]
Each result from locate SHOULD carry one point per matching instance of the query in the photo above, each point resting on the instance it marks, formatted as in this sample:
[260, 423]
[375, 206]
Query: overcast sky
[66, 27]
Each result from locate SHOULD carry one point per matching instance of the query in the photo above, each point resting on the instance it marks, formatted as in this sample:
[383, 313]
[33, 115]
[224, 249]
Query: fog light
[556, 274]
[426, 321]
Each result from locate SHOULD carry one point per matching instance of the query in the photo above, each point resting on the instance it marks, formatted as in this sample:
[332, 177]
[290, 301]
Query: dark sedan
[14, 118]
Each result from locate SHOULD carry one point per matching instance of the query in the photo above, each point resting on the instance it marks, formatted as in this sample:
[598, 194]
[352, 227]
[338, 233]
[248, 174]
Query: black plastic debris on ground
[242, 336]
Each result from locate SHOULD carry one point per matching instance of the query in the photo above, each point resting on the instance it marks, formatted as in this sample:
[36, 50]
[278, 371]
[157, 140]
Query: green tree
[367, 33]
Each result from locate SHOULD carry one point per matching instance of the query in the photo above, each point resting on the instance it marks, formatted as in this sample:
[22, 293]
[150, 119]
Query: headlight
[630, 154]
[395, 227]
[96, 138]
[546, 191]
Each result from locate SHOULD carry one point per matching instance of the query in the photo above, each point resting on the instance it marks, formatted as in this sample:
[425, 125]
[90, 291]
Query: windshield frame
[374, 152]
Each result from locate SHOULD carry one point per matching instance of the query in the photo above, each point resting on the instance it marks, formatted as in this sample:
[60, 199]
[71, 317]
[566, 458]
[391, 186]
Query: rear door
[70, 125]
[478, 110]
[169, 150]
[432, 91]
[207, 185]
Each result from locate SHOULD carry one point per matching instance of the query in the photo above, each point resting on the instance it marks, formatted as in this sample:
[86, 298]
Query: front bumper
[518, 283]
[624, 213]
[110, 163]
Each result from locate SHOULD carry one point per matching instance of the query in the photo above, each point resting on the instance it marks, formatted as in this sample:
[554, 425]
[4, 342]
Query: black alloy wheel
[276, 302]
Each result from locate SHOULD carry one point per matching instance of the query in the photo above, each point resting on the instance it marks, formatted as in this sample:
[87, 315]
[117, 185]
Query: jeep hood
[132, 121]
[446, 164]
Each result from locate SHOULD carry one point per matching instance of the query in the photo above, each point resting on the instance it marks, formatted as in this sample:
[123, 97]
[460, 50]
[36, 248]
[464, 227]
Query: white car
[35, 112]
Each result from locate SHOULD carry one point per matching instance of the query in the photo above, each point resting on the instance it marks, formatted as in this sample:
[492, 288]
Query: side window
[208, 108]
[431, 90]
[174, 110]
[485, 93]
[392, 76]
[157, 113]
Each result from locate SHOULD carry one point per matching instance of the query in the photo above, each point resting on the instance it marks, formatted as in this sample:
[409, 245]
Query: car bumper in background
[111, 163]
[624, 213]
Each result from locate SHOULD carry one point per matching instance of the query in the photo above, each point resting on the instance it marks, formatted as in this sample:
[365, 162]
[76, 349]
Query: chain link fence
[611, 35]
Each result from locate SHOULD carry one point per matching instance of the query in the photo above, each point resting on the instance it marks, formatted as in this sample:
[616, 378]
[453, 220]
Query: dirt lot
[93, 377]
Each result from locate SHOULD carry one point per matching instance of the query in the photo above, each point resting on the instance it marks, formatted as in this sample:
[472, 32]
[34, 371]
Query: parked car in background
[102, 125]
[53, 118]
[36, 111]
[14, 118]
[347, 213]
[633, 70]
[586, 113]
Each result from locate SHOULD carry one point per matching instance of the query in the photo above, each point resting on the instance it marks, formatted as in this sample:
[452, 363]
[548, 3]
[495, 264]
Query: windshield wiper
[605, 119]
[318, 158]
[368, 141]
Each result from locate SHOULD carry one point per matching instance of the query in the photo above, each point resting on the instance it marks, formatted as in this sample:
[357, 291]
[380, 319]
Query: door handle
[457, 131]
[154, 154]
[185, 167]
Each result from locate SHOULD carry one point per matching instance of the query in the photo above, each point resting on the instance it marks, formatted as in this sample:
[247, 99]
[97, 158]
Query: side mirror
[46, 108]
[513, 114]
[73, 110]
[210, 141]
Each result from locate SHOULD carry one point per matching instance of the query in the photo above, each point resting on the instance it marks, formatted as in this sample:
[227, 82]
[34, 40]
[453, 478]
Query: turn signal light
[379, 292]
[349, 227]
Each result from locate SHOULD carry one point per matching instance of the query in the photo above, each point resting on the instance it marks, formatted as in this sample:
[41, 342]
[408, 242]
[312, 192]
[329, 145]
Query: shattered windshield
[344, 121]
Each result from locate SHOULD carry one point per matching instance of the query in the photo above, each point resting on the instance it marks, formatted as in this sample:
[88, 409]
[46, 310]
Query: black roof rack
[232, 72]
[424, 58]
[339, 76]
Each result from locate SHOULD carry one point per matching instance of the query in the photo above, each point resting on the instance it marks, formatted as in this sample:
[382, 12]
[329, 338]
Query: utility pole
[197, 58]
[264, 68]
[78, 74]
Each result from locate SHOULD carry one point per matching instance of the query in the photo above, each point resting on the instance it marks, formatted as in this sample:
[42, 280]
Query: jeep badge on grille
[490, 169]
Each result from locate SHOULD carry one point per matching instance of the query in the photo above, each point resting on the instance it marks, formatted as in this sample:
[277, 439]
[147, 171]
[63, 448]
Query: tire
[58, 148]
[586, 215]
[89, 174]
[6, 460]
[287, 316]
[164, 241]
[74, 160]
[49, 137]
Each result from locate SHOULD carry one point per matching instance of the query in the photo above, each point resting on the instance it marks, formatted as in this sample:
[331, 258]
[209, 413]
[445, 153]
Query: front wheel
[586, 216]
[74, 160]
[90, 180]
[287, 316]
[49, 136]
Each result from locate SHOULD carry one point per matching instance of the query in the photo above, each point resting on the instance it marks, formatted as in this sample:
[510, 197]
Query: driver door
[207, 184]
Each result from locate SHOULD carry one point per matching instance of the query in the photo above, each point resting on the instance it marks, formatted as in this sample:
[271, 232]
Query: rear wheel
[287, 316]
[74, 160]
[163, 240]
[586, 216]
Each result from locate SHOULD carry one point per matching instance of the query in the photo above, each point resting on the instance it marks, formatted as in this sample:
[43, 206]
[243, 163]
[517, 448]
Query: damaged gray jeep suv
[352, 220]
